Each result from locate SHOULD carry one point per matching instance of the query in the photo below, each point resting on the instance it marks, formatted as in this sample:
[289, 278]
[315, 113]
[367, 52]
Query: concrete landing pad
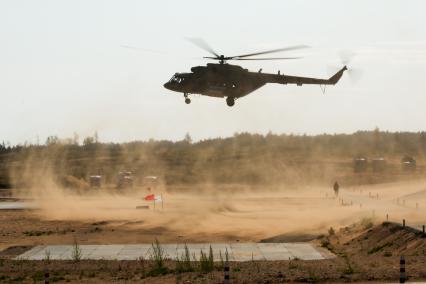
[236, 251]
[18, 205]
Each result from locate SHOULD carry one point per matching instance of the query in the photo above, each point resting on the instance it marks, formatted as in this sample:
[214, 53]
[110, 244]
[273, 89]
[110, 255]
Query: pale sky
[63, 68]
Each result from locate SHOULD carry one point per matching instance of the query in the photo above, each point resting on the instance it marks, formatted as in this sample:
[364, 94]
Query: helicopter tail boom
[287, 79]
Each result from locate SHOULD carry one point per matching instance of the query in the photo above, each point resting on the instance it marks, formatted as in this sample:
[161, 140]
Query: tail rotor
[346, 59]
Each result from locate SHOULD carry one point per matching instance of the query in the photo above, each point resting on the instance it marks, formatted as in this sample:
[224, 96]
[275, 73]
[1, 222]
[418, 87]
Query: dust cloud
[217, 212]
[246, 214]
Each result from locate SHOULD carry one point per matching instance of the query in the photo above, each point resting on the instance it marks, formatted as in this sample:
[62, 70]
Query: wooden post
[226, 273]
[46, 277]
[403, 223]
[423, 229]
[402, 275]
[387, 217]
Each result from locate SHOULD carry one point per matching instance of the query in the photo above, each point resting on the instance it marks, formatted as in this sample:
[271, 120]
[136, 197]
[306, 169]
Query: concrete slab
[303, 251]
[28, 254]
[131, 252]
[274, 251]
[18, 205]
[246, 252]
[108, 252]
[236, 251]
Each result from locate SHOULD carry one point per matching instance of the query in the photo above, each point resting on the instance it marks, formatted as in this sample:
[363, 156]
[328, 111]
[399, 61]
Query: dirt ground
[363, 254]
[216, 215]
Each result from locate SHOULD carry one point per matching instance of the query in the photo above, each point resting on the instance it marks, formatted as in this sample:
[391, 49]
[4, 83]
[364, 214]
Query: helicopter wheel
[230, 101]
[187, 101]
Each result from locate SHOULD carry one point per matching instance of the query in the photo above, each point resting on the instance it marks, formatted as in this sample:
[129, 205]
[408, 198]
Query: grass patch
[378, 248]
[387, 254]
[312, 276]
[38, 276]
[325, 243]
[158, 258]
[18, 279]
[221, 263]
[206, 261]
[76, 251]
[395, 229]
[292, 265]
[47, 256]
[37, 233]
[349, 269]
[183, 262]
[367, 223]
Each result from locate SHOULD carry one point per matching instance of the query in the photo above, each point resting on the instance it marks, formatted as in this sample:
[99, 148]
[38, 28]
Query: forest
[244, 158]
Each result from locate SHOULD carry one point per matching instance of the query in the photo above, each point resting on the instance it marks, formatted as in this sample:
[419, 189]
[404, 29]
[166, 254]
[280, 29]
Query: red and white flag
[153, 197]
[150, 197]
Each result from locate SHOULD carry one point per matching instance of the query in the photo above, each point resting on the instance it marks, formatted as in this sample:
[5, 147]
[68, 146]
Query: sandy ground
[209, 216]
[364, 254]
[216, 215]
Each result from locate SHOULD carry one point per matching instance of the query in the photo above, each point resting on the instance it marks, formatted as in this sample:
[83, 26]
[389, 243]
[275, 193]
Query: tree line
[242, 158]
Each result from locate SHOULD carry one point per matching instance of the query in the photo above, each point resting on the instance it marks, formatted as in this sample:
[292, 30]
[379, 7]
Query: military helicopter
[228, 81]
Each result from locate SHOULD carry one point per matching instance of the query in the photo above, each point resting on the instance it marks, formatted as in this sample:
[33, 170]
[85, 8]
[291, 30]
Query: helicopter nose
[167, 85]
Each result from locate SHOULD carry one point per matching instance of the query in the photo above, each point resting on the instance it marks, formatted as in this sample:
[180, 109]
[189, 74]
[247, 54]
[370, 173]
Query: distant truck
[125, 179]
[408, 163]
[360, 164]
[95, 181]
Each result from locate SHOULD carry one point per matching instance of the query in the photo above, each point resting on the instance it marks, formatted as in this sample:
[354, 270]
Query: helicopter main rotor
[222, 59]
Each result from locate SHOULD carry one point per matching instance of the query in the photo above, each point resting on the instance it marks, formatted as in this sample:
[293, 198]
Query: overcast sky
[63, 68]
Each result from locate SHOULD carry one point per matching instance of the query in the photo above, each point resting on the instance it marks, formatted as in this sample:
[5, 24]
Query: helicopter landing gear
[230, 101]
[187, 99]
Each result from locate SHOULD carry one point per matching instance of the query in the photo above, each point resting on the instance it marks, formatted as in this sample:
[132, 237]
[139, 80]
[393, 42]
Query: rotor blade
[277, 58]
[271, 51]
[202, 44]
[354, 74]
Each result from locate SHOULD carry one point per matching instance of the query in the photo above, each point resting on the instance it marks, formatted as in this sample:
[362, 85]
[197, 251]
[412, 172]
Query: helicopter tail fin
[336, 77]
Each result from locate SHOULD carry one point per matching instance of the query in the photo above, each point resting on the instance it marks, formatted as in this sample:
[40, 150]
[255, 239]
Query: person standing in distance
[336, 189]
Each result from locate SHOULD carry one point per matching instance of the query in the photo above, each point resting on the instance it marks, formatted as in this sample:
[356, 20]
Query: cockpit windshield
[176, 79]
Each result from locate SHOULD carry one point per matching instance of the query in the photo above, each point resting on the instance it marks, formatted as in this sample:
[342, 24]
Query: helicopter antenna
[222, 59]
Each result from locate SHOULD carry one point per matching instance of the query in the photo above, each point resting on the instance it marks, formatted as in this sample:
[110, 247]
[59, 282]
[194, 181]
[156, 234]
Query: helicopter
[232, 82]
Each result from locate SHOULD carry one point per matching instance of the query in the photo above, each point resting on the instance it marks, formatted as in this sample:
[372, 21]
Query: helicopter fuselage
[233, 81]
[217, 80]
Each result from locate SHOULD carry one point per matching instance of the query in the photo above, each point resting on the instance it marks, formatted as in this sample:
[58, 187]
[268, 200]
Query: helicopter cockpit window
[176, 79]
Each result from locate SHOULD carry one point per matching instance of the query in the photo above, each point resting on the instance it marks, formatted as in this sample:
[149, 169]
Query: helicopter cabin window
[176, 79]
